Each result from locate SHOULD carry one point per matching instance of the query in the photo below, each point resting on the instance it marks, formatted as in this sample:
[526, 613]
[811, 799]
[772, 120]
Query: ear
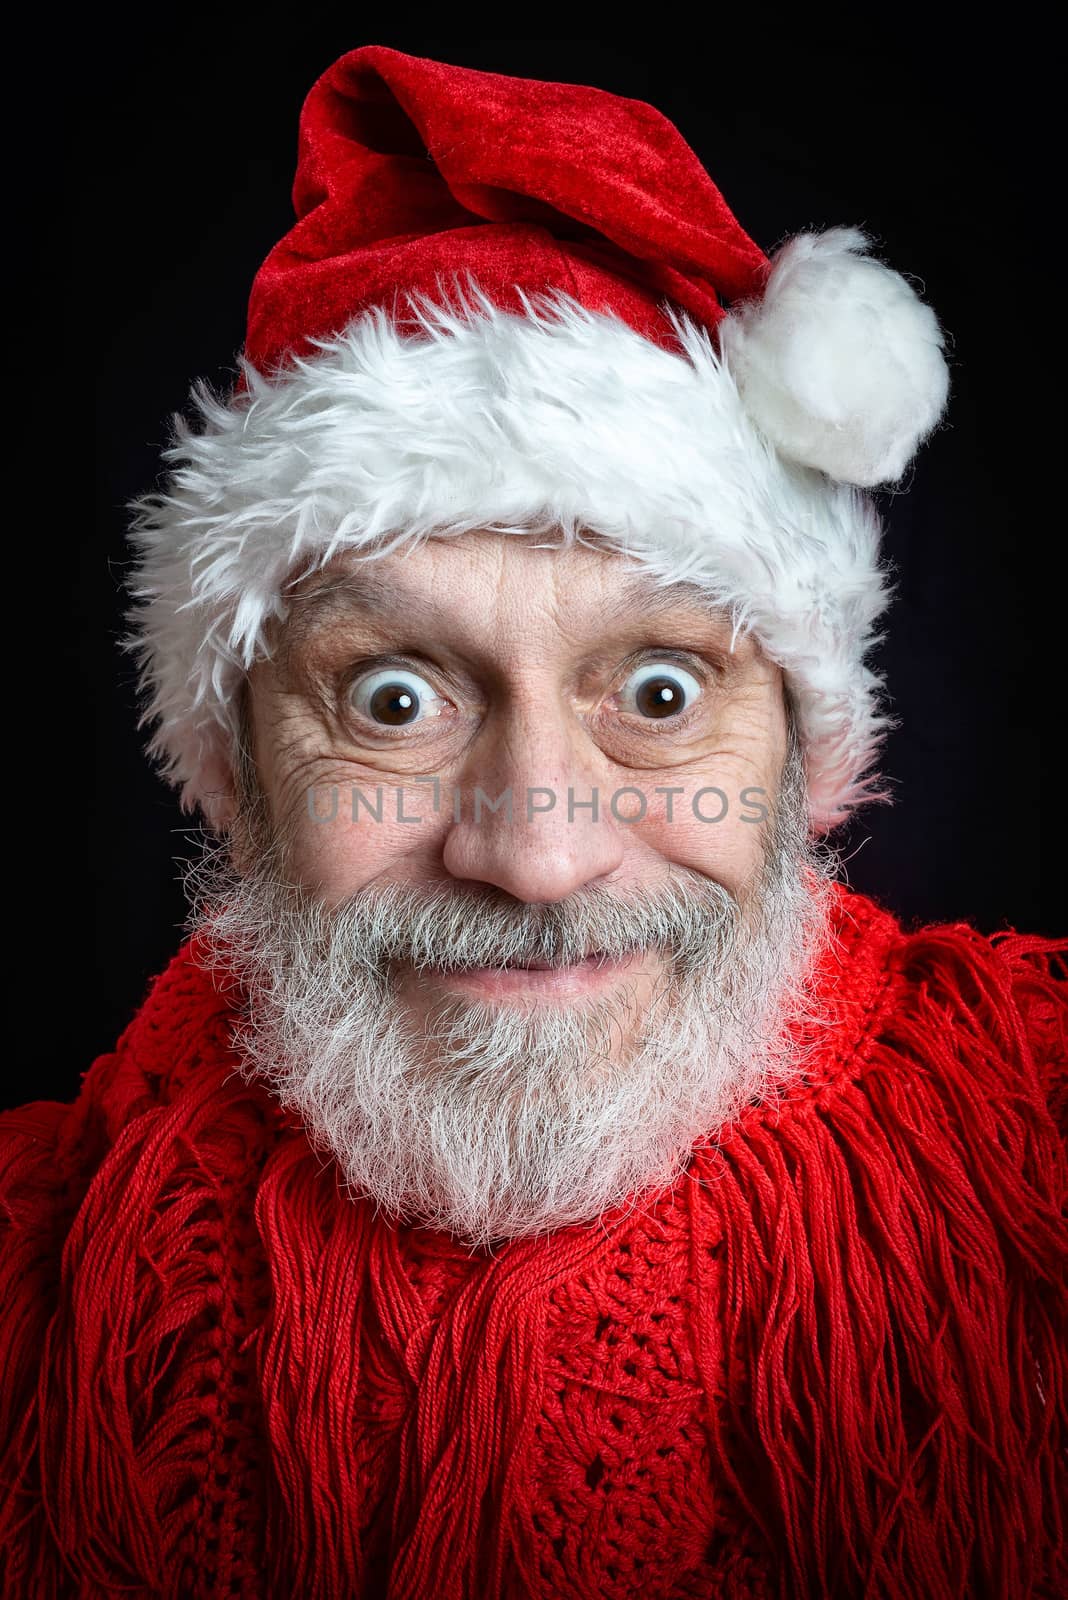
[218, 798]
[220, 809]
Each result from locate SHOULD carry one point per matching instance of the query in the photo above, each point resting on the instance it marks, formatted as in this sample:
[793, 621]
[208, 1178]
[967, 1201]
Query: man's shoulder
[117, 1213]
[180, 1035]
[958, 998]
[921, 951]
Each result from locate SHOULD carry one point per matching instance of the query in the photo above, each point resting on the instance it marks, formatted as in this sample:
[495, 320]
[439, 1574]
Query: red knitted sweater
[828, 1361]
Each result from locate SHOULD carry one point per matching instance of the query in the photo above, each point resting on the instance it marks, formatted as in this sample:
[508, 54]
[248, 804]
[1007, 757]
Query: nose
[532, 819]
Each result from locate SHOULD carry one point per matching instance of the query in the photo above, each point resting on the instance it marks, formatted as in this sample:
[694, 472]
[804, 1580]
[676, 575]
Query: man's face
[491, 664]
[521, 883]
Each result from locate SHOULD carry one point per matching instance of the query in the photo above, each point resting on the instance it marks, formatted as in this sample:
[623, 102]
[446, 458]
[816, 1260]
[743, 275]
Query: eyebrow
[653, 595]
[365, 590]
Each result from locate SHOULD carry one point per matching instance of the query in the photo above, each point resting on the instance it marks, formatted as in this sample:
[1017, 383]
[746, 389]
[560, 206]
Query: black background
[150, 172]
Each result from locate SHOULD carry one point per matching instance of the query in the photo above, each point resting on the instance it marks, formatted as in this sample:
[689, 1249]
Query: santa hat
[526, 307]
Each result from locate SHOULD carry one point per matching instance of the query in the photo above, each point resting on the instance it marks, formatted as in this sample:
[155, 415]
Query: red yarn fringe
[877, 1301]
[895, 1294]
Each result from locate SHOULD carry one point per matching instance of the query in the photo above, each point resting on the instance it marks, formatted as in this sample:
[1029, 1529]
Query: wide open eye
[659, 689]
[394, 697]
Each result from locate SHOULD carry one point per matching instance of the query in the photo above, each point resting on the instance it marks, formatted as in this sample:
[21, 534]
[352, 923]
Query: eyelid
[369, 665]
[694, 661]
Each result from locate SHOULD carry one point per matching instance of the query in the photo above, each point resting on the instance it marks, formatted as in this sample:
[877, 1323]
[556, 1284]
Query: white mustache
[449, 930]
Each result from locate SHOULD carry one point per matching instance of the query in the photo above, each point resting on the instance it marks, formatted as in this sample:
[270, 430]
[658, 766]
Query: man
[537, 1174]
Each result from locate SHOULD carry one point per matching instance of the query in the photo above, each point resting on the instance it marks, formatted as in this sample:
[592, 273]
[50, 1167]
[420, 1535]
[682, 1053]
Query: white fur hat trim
[560, 422]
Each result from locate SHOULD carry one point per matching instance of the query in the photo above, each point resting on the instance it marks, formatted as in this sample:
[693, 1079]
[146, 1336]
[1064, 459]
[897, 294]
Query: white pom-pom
[840, 363]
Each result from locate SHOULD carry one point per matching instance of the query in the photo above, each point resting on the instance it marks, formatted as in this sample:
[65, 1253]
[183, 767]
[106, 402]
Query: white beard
[497, 1122]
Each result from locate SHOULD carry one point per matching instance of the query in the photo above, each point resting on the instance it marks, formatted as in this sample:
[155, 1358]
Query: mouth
[533, 978]
[593, 958]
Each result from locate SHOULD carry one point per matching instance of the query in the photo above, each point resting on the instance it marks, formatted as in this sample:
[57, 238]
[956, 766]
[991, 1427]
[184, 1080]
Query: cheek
[344, 834]
[718, 820]
[719, 831]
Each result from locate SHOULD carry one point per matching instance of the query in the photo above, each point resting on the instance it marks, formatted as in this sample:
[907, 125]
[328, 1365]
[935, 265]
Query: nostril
[546, 862]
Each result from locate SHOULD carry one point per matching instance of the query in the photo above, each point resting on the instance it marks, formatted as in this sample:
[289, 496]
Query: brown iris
[659, 697]
[394, 704]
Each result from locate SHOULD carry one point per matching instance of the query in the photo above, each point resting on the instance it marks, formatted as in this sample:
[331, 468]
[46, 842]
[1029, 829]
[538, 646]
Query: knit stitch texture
[828, 1360]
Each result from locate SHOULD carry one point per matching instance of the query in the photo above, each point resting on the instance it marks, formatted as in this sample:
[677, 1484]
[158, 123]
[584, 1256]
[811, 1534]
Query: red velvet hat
[409, 170]
[526, 307]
